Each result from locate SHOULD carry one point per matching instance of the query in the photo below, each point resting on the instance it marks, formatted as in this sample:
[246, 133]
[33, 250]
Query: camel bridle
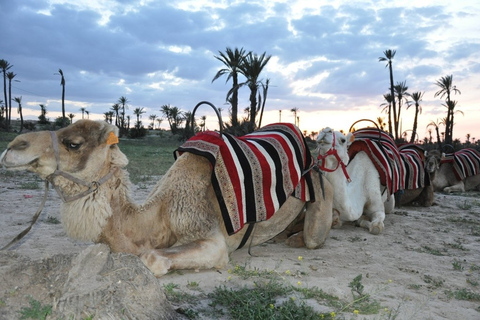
[321, 159]
[91, 186]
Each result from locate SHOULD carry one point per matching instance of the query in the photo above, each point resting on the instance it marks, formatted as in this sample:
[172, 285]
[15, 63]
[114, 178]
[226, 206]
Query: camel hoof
[296, 240]
[376, 229]
[156, 263]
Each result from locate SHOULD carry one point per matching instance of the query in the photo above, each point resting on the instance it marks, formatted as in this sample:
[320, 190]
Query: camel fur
[363, 200]
[447, 181]
[180, 224]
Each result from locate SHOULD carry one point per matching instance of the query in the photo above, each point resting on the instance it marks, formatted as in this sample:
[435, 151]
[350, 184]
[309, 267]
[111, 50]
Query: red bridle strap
[332, 152]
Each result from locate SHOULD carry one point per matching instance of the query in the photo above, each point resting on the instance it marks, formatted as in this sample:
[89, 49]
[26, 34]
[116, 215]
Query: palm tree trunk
[394, 108]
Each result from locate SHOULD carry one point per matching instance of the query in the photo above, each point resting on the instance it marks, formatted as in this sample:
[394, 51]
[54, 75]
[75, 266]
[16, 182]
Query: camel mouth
[15, 166]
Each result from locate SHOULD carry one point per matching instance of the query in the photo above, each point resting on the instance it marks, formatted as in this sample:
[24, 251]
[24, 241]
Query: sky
[324, 57]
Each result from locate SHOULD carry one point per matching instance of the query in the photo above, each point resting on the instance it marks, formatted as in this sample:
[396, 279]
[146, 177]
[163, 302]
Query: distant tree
[416, 97]
[388, 56]
[138, 113]
[42, 118]
[159, 122]
[106, 116]
[62, 83]
[232, 59]
[122, 101]
[19, 101]
[446, 89]
[71, 116]
[437, 130]
[152, 118]
[116, 108]
[263, 99]
[87, 113]
[174, 117]
[83, 111]
[294, 110]
[388, 110]
[4, 65]
[10, 76]
[202, 124]
[401, 94]
[251, 67]
[381, 123]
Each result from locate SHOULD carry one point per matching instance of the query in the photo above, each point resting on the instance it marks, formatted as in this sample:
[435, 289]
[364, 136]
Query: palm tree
[123, 102]
[174, 117]
[152, 117]
[19, 101]
[138, 112]
[264, 91]
[294, 110]
[10, 76]
[446, 89]
[71, 116]
[401, 94]
[388, 109]
[202, 124]
[83, 111]
[416, 97]
[87, 113]
[42, 118]
[389, 55]
[437, 130]
[4, 65]
[251, 68]
[116, 108]
[232, 59]
[450, 105]
[159, 122]
[62, 83]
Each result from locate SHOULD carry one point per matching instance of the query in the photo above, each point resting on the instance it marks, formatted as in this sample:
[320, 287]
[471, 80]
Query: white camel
[180, 225]
[363, 199]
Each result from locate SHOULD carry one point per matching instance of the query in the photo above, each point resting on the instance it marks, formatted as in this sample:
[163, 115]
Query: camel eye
[72, 145]
[343, 140]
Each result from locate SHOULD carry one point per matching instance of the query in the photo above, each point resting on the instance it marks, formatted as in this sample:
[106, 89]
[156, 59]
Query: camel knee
[159, 265]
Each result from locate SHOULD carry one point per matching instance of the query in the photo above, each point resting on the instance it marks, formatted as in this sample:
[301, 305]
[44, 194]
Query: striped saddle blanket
[413, 161]
[253, 175]
[466, 162]
[384, 154]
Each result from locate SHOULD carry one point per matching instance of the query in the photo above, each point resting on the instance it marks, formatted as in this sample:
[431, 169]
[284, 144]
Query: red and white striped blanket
[466, 162]
[384, 154]
[253, 175]
[413, 161]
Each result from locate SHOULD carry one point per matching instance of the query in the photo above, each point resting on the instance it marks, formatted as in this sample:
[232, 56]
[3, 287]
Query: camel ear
[350, 138]
[110, 133]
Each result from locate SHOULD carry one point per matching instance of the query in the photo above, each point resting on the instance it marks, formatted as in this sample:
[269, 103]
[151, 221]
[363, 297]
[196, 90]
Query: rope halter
[91, 186]
[321, 159]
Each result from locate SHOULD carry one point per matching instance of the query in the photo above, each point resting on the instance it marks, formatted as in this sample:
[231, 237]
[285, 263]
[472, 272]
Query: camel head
[432, 161]
[85, 150]
[330, 142]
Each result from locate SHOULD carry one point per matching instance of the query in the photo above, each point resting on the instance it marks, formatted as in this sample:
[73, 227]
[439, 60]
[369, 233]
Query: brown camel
[180, 225]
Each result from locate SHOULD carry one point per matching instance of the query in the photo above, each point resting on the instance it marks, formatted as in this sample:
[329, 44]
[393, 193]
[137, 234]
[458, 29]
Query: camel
[180, 224]
[458, 172]
[362, 198]
[422, 167]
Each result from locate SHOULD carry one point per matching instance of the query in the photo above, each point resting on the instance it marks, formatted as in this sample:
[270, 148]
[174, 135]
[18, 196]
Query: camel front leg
[373, 222]
[199, 254]
[459, 187]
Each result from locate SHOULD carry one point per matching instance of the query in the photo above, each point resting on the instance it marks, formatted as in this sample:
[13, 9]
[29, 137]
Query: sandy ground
[423, 258]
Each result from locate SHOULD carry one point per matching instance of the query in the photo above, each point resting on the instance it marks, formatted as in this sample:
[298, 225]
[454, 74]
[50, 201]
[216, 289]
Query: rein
[91, 186]
[332, 152]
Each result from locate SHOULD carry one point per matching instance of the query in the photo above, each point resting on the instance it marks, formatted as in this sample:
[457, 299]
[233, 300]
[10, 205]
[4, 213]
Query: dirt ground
[426, 264]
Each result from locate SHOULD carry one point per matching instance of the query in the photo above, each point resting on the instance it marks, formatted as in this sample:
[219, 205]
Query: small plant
[193, 284]
[472, 282]
[35, 311]
[429, 250]
[463, 294]
[465, 205]
[415, 286]
[355, 239]
[361, 301]
[457, 265]
[435, 283]
[52, 220]
[30, 185]
[457, 245]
